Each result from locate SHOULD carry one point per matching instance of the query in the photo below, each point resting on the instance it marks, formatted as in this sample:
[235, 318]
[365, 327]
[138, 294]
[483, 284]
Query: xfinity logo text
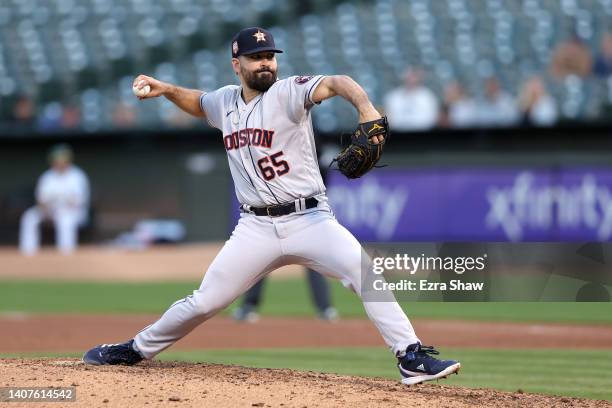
[371, 205]
[529, 205]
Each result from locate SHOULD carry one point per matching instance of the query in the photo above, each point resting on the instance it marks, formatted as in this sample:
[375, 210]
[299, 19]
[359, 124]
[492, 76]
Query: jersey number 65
[268, 171]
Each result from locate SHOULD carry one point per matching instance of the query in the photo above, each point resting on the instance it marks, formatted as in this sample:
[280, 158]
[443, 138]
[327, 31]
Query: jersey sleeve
[295, 95]
[215, 103]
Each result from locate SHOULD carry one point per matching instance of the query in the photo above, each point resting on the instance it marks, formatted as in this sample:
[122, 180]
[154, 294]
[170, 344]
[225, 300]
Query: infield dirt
[162, 384]
[76, 332]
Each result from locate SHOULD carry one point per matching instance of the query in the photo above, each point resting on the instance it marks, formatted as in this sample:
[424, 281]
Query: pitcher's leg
[332, 250]
[251, 252]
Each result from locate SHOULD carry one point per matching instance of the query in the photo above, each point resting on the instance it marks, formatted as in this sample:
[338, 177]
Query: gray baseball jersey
[269, 141]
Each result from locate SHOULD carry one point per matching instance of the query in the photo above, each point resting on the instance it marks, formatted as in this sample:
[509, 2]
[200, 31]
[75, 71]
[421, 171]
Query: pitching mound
[157, 384]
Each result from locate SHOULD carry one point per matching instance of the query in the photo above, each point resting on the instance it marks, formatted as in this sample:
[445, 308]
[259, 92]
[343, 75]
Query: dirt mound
[157, 384]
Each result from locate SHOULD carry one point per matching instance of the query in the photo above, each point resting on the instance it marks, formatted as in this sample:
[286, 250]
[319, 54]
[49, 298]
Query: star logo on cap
[259, 36]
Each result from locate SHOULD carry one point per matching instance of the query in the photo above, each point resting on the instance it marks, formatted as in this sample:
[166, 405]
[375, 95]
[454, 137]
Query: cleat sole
[442, 374]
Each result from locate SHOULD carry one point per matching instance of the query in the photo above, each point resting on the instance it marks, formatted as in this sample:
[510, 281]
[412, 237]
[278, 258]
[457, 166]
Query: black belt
[283, 209]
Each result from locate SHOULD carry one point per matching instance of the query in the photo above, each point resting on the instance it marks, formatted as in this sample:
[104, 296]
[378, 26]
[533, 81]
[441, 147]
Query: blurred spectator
[412, 106]
[62, 196]
[537, 107]
[571, 57]
[498, 108]
[124, 115]
[180, 119]
[51, 117]
[603, 62]
[24, 111]
[443, 117]
[71, 117]
[462, 110]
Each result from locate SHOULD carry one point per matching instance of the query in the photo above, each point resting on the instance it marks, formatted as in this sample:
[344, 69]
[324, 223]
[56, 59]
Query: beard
[260, 80]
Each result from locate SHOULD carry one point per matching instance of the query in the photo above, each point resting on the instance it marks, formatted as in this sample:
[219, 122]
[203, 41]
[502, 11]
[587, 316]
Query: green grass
[90, 297]
[281, 298]
[578, 373]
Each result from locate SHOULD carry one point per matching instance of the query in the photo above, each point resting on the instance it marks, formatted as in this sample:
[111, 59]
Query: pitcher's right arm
[186, 99]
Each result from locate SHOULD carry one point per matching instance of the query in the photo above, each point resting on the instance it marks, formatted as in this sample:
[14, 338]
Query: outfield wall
[184, 175]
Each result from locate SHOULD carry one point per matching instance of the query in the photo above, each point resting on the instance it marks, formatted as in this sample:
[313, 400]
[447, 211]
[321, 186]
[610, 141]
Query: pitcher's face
[257, 71]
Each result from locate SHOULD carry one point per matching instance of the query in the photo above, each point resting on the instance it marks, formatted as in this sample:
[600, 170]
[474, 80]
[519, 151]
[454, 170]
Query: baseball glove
[362, 154]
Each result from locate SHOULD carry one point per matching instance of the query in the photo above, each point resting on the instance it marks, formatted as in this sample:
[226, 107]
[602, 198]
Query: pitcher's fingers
[139, 82]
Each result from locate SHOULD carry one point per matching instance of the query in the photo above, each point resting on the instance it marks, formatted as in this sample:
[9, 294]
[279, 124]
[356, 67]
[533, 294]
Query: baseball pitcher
[266, 129]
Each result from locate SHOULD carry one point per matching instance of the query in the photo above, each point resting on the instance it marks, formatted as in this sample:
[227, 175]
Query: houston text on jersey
[258, 137]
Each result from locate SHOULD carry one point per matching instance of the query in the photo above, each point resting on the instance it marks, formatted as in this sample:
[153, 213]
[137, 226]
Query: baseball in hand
[141, 92]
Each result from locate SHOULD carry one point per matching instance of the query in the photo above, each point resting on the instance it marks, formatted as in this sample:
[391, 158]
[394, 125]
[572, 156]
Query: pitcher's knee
[349, 284]
[208, 304]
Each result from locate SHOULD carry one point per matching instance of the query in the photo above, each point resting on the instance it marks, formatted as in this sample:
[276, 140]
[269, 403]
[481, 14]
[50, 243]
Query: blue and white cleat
[113, 354]
[417, 365]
